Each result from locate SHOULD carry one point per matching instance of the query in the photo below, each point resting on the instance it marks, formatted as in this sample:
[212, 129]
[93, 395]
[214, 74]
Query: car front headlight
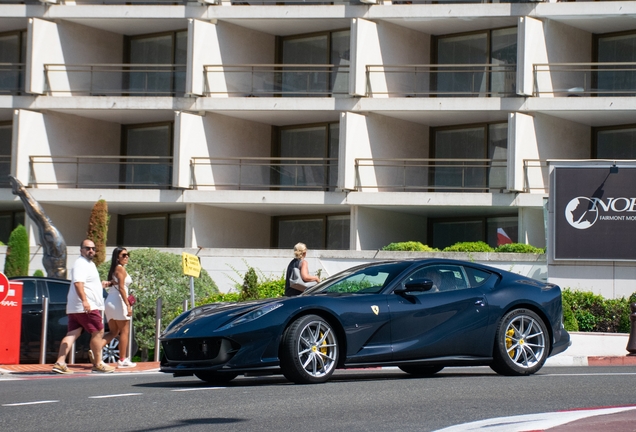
[252, 315]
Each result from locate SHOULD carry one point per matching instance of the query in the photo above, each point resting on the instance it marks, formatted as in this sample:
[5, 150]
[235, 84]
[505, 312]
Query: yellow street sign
[191, 264]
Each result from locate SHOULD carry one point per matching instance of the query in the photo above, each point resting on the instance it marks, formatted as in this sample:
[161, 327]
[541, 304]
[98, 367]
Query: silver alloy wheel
[317, 349]
[525, 341]
[110, 352]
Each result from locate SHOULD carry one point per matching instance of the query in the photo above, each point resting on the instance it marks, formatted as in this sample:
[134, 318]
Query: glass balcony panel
[616, 144]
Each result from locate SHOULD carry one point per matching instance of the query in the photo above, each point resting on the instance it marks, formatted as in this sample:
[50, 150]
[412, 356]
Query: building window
[152, 230]
[615, 48]
[148, 140]
[315, 49]
[6, 130]
[13, 55]
[316, 147]
[9, 220]
[489, 47]
[492, 230]
[162, 49]
[317, 232]
[484, 150]
[616, 142]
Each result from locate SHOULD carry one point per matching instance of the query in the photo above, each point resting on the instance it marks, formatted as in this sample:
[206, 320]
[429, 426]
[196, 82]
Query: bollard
[157, 328]
[45, 325]
[185, 305]
[631, 343]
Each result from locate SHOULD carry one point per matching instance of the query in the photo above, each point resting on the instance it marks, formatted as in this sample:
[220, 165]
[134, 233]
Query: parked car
[419, 315]
[33, 290]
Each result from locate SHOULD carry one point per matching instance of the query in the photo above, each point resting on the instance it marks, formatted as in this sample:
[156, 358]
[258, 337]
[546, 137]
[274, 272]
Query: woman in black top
[300, 252]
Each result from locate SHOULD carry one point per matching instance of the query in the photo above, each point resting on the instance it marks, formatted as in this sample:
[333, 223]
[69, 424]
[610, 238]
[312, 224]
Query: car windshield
[370, 279]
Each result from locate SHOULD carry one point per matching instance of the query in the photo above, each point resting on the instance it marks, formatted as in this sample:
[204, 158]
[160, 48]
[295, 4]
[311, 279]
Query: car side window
[30, 292]
[477, 277]
[444, 277]
[58, 291]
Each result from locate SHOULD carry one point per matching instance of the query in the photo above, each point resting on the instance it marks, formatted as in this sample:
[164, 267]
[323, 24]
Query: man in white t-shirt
[85, 303]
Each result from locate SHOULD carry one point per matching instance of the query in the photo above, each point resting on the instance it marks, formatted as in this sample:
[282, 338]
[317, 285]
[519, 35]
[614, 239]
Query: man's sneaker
[61, 369]
[91, 357]
[102, 368]
[126, 363]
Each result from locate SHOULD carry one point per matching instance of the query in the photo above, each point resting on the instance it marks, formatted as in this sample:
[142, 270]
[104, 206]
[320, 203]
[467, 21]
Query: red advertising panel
[10, 320]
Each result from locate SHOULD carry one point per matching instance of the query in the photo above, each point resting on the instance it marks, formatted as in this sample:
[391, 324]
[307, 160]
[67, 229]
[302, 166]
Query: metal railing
[264, 173]
[442, 80]
[431, 175]
[268, 80]
[11, 78]
[134, 172]
[115, 79]
[585, 79]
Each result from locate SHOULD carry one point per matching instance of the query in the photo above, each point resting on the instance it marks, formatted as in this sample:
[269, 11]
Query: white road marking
[588, 374]
[115, 395]
[530, 422]
[199, 388]
[31, 403]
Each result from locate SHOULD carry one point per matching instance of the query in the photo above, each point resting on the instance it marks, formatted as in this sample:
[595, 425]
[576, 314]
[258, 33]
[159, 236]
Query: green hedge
[589, 312]
[479, 246]
[411, 246]
[519, 248]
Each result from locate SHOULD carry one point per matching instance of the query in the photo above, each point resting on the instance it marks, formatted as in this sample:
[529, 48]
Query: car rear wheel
[421, 371]
[522, 343]
[215, 377]
[309, 351]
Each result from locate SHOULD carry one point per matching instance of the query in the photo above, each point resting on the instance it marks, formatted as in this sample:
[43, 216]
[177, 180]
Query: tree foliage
[98, 230]
[17, 260]
[159, 274]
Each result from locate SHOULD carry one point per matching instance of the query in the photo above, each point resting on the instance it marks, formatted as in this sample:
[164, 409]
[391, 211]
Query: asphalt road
[381, 400]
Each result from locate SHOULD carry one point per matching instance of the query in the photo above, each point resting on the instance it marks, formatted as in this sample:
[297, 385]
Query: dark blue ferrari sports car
[419, 315]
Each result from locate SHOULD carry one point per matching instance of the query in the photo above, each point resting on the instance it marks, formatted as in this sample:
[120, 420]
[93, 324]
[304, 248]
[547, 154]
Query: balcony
[447, 80]
[11, 78]
[269, 80]
[585, 79]
[115, 79]
[431, 175]
[264, 173]
[133, 172]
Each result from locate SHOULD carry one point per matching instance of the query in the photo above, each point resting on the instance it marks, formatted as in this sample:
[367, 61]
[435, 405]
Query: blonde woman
[300, 252]
[118, 309]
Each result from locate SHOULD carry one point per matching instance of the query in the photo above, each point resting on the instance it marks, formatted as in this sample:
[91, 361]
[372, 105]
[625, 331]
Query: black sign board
[594, 213]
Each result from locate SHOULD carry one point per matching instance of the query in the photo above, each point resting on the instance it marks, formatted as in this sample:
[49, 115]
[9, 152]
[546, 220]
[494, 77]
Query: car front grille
[215, 350]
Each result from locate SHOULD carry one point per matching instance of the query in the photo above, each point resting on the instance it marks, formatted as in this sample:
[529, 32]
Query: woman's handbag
[131, 299]
[296, 280]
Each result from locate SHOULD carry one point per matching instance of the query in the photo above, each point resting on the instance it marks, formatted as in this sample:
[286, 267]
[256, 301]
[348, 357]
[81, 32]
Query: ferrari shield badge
[375, 309]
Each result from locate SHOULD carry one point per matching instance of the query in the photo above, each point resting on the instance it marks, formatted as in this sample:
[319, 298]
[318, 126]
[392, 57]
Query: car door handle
[480, 303]
[35, 312]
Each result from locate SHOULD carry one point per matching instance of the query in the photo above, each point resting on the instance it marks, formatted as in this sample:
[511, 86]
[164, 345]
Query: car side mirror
[415, 285]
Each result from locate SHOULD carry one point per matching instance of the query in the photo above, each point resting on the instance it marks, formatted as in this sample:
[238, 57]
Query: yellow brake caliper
[509, 334]
[324, 343]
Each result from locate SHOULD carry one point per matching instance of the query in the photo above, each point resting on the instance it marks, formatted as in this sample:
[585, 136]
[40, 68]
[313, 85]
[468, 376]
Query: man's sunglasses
[88, 247]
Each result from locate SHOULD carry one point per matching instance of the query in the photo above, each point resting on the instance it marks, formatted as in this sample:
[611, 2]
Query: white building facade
[345, 125]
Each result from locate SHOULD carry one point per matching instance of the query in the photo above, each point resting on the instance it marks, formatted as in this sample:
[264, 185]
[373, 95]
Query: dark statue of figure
[53, 244]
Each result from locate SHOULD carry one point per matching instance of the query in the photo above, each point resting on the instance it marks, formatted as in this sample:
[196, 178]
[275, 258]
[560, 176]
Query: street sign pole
[191, 292]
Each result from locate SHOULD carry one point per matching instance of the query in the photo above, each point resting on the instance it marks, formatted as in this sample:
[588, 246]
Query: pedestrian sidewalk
[29, 369]
[595, 349]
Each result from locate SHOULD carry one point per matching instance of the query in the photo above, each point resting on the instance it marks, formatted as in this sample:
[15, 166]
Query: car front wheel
[522, 343]
[309, 351]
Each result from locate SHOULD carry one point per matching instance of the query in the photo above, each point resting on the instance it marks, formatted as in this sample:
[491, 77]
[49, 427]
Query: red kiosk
[10, 320]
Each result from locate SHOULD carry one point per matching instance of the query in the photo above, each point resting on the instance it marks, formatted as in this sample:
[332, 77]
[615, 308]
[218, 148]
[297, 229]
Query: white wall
[611, 279]
[377, 228]
[219, 136]
[232, 228]
[539, 136]
[69, 43]
[382, 43]
[58, 134]
[531, 227]
[219, 43]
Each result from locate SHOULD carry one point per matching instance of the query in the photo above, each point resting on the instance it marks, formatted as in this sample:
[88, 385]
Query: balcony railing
[134, 172]
[431, 175]
[585, 79]
[11, 78]
[267, 80]
[264, 173]
[536, 176]
[472, 80]
[115, 79]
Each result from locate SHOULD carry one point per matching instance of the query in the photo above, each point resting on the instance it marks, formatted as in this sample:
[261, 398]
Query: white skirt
[114, 307]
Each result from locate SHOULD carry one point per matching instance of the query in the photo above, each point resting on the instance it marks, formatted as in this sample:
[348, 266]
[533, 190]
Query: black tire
[215, 377]
[522, 344]
[309, 351]
[421, 371]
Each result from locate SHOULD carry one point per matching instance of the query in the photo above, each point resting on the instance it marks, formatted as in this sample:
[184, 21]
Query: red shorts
[91, 322]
